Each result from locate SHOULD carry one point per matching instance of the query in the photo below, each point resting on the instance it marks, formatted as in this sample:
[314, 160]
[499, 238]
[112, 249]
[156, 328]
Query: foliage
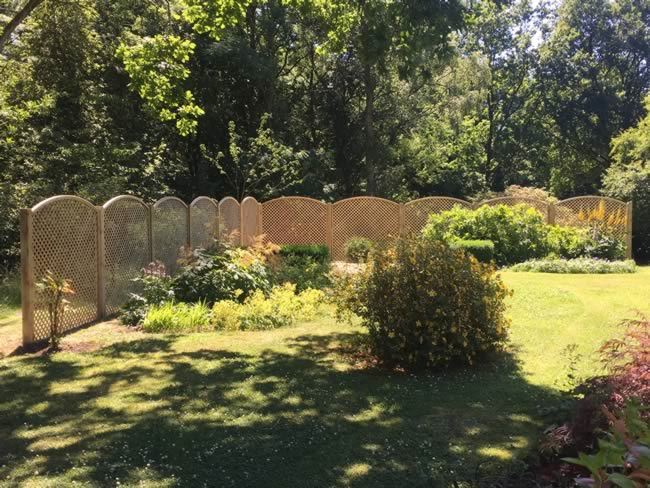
[157, 67]
[596, 242]
[427, 305]
[154, 290]
[623, 458]
[518, 232]
[319, 252]
[221, 274]
[568, 242]
[575, 266]
[357, 249]
[629, 178]
[54, 289]
[259, 165]
[303, 270]
[177, 317]
[481, 250]
[282, 307]
[627, 360]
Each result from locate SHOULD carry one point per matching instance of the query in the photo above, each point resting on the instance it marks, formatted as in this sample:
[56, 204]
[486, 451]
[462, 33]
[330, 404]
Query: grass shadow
[147, 410]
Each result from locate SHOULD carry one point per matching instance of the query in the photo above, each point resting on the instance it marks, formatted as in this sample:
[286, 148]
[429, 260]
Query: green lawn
[285, 409]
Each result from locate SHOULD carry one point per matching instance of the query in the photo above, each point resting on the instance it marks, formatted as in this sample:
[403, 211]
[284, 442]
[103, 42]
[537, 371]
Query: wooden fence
[100, 249]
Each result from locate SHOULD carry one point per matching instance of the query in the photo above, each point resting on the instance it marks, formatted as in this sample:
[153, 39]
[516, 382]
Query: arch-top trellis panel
[374, 218]
[170, 231]
[204, 222]
[588, 211]
[295, 220]
[127, 248]
[229, 220]
[539, 205]
[249, 220]
[416, 212]
[63, 241]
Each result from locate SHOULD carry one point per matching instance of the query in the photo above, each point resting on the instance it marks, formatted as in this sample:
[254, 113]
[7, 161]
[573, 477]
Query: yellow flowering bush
[258, 312]
[426, 305]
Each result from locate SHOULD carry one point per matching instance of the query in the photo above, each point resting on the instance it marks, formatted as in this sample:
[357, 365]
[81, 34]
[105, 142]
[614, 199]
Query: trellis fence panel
[127, 248]
[101, 249]
[230, 220]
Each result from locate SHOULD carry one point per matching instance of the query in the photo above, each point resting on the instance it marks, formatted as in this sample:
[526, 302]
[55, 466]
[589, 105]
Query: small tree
[54, 289]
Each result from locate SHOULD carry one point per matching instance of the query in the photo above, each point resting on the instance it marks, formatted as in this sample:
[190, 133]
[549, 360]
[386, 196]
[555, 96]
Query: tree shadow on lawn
[142, 410]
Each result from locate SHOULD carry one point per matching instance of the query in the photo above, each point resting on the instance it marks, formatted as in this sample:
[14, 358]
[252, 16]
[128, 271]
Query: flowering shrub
[518, 232]
[426, 305]
[575, 266]
[282, 307]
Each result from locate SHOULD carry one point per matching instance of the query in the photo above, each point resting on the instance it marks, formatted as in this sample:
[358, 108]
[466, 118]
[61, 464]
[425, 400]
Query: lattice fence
[249, 220]
[295, 220]
[101, 249]
[370, 217]
[64, 241]
[127, 248]
[230, 220]
[204, 222]
[416, 212]
[170, 231]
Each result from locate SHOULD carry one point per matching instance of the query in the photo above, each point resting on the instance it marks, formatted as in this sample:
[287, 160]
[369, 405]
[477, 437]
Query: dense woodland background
[322, 98]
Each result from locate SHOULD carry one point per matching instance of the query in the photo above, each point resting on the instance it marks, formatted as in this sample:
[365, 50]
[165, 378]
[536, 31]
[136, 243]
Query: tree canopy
[328, 99]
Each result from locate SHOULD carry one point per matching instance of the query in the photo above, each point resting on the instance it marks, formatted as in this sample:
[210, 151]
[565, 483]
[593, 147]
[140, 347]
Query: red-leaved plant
[628, 361]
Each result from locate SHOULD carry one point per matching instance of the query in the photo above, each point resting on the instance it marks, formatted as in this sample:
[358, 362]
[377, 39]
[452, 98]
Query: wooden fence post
[551, 214]
[260, 226]
[27, 286]
[401, 219]
[101, 265]
[189, 228]
[150, 232]
[241, 223]
[628, 230]
[329, 230]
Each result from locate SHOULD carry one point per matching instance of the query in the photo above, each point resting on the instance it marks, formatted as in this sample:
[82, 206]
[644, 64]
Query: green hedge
[318, 252]
[482, 250]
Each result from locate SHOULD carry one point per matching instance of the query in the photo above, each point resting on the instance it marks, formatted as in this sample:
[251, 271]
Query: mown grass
[286, 408]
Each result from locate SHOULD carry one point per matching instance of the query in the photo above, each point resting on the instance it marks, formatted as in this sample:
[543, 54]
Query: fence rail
[100, 249]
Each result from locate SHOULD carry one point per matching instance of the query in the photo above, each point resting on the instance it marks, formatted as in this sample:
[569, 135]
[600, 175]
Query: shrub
[156, 289]
[603, 245]
[481, 250]
[575, 266]
[518, 232]
[227, 274]
[177, 317]
[567, 242]
[304, 265]
[317, 252]
[426, 305]
[627, 360]
[282, 307]
[358, 248]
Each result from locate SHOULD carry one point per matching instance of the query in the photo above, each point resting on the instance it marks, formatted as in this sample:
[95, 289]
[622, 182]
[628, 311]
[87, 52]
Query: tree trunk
[16, 20]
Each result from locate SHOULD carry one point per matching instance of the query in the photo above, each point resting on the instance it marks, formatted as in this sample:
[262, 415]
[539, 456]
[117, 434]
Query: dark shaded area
[224, 418]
